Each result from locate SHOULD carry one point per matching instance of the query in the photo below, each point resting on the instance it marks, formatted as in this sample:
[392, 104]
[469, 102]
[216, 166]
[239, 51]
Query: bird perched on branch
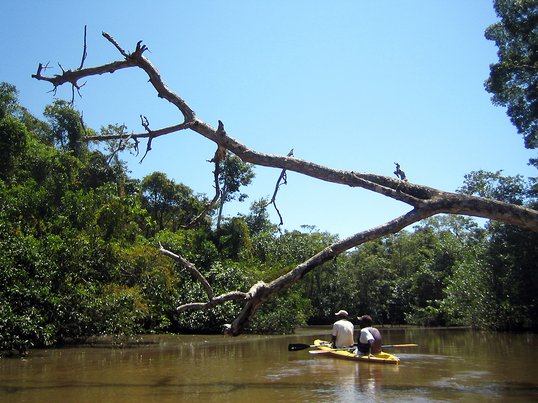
[220, 154]
[399, 173]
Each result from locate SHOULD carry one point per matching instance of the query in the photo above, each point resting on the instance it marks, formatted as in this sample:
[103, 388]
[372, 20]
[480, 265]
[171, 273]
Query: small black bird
[399, 173]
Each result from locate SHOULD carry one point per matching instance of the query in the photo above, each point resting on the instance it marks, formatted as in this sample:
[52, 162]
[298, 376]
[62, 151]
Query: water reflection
[448, 365]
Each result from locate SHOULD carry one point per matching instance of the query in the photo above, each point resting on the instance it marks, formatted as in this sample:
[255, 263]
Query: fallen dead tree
[424, 201]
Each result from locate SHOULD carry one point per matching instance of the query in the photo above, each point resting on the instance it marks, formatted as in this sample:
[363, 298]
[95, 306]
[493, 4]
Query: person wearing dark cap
[370, 338]
[342, 334]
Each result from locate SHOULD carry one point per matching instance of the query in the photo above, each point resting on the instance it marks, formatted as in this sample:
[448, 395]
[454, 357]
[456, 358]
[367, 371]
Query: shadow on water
[447, 365]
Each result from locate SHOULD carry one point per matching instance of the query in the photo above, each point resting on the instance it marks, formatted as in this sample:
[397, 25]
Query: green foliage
[329, 289]
[280, 253]
[157, 281]
[13, 138]
[283, 314]
[468, 294]
[493, 185]
[9, 103]
[22, 324]
[512, 257]
[513, 79]
[223, 277]
[196, 245]
[234, 174]
[258, 219]
[172, 206]
[506, 279]
[96, 171]
[66, 126]
[370, 270]
[398, 279]
[234, 239]
[80, 258]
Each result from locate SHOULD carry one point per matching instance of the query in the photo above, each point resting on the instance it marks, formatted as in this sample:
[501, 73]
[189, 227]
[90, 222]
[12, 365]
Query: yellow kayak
[323, 347]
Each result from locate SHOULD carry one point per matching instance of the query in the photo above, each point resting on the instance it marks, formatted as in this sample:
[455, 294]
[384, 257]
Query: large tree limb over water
[424, 201]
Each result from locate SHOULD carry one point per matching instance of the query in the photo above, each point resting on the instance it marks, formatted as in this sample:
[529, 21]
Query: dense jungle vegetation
[79, 241]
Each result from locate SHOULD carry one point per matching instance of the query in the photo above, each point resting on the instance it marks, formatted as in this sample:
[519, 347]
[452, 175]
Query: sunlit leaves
[171, 205]
[13, 138]
[513, 79]
[66, 124]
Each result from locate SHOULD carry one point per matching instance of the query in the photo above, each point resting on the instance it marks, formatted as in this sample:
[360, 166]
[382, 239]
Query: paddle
[298, 346]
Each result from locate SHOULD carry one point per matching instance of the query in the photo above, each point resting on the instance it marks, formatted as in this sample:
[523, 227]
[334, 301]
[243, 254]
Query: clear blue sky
[354, 85]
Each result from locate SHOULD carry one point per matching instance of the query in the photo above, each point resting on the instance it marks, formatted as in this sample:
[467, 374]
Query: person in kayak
[370, 338]
[343, 331]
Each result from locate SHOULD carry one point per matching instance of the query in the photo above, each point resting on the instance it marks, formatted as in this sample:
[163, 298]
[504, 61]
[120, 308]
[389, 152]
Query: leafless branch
[220, 155]
[191, 268]
[85, 49]
[72, 77]
[145, 124]
[229, 296]
[153, 133]
[82, 124]
[120, 146]
[209, 206]
[282, 180]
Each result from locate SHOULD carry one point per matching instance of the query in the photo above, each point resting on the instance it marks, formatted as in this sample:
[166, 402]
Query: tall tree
[8, 99]
[12, 144]
[171, 205]
[511, 267]
[513, 79]
[66, 123]
[258, 218]
[12, 131]
[234, 174]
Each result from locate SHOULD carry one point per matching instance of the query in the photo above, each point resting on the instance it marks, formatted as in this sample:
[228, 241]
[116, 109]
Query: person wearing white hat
[343, 331]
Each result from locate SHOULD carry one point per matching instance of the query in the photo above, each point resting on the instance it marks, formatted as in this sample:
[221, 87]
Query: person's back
[370, 338]
[343, 331]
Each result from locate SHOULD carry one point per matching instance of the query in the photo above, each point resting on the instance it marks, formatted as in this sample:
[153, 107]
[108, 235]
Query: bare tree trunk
[221, 207]
[423, 201]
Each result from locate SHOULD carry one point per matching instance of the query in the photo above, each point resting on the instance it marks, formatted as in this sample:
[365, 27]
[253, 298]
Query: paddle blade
[297, 347]
[320, 351]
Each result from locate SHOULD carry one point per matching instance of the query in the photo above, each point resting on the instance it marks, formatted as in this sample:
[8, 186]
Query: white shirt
[366, 337]
[343, 330]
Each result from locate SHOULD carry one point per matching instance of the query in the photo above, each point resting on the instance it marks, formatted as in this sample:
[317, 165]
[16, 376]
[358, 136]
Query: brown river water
[448, 365]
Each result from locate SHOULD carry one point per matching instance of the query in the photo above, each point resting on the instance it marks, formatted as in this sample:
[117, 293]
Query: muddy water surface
[448, 365]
